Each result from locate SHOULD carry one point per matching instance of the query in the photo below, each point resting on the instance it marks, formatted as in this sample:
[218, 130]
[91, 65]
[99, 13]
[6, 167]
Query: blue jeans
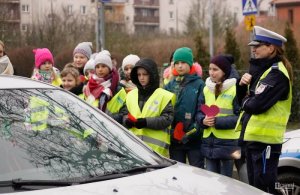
[223, 167]
[194, 156]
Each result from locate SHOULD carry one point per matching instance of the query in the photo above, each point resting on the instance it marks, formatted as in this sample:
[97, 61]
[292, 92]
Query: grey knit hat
[84, 48]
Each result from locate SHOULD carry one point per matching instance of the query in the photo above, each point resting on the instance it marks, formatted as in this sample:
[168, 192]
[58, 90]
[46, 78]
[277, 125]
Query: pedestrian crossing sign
[249, 7]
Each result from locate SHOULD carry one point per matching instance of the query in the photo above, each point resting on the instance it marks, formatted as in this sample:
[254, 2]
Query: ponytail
[285, 61]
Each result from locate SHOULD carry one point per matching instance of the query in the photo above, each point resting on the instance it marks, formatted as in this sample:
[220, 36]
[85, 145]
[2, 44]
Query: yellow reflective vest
[269, 127]
[116, 103]
[158, 140]
[39, 113]
[225, 102]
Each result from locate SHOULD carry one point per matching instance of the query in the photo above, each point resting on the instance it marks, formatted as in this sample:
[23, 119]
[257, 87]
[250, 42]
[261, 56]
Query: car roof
[18, 82]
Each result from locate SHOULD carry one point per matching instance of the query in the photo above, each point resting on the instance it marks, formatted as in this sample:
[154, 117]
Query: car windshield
[48, 134]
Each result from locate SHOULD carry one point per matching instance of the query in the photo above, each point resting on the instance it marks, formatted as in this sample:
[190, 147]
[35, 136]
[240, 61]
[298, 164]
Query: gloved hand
[129, 124]
[178, 131]
[132, 118]
[141, 123]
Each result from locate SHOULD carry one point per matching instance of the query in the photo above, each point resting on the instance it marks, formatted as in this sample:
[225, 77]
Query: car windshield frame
[50, 134]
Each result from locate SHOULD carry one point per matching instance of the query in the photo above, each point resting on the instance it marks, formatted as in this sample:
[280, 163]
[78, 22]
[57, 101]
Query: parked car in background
[52, 142]
[289, 163]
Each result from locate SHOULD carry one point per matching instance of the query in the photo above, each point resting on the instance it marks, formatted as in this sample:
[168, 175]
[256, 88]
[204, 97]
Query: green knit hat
[183, 54]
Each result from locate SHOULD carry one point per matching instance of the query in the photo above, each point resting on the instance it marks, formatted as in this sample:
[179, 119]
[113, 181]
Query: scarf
[6, 66]
[225, 85]
[45, 76]
[96, 86]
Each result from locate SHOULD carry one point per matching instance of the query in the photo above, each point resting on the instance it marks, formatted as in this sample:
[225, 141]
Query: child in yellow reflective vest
[150, 109]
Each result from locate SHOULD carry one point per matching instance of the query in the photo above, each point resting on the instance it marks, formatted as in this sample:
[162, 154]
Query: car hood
[292, 134]
[173, 180]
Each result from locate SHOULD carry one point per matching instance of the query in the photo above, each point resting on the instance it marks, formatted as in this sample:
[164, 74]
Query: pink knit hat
[41, 56]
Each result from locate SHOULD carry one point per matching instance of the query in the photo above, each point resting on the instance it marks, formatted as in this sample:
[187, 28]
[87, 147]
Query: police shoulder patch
[260, 88]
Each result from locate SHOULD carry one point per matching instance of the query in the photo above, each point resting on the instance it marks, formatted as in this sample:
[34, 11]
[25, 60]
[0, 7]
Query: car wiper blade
[146, 167]
[120, 174]
[18, 183]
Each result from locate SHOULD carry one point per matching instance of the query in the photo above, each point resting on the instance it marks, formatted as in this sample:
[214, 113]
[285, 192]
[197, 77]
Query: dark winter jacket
[187, 89]
[166, 117]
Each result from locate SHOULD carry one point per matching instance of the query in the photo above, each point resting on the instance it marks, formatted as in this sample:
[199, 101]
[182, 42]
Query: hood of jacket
[151, 67]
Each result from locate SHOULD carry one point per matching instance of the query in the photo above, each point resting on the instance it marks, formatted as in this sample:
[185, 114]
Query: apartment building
[37, 11]
[133, 16]
[10, 19]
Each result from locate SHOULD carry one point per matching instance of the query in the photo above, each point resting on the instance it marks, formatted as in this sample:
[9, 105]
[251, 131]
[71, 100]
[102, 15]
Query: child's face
[89, 73]
[102, 70]
[182, 68]
[1, 51]
[79, 60]
[215, 73]
[68, 82]
[143, 76]
[127, 70]
[46, 66]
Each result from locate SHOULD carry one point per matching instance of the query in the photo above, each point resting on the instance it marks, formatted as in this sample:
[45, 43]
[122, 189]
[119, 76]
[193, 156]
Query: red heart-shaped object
[178, 131]
[212, 110]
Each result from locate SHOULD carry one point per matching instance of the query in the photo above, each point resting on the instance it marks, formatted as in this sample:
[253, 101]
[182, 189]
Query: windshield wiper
[146, 168]
[126, 173]
[18, 183]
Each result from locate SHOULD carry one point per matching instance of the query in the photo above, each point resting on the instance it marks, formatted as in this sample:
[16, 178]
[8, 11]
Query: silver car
[54, 143]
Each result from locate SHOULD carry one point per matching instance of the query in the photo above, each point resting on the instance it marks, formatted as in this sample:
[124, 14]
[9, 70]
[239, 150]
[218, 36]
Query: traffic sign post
[249, 7]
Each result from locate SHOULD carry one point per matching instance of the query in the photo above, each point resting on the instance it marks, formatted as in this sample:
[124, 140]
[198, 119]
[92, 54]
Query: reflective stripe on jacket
[225, 102]
[158, 140]
[269, 127]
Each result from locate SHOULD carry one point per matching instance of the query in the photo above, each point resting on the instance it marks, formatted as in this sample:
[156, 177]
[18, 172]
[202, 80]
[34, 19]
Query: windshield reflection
[49, 134]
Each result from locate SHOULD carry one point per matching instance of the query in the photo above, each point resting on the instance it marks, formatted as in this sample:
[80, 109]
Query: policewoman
[150, 109]
[266, 95]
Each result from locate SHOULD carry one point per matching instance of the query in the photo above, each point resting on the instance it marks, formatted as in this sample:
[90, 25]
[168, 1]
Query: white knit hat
[102, 58]
[90, 65]
[130, 59]
[105, 52]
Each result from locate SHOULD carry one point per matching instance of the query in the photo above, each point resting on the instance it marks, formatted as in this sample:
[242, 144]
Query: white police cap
[264, 35]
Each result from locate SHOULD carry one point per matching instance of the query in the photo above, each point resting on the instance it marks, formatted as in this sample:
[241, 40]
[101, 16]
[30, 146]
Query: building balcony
[116, 3]
[11, 18]
[9, 1]
[148, 19]
[146, 4]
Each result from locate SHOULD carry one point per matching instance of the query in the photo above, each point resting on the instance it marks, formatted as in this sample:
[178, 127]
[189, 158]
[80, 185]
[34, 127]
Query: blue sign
[249, 7]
